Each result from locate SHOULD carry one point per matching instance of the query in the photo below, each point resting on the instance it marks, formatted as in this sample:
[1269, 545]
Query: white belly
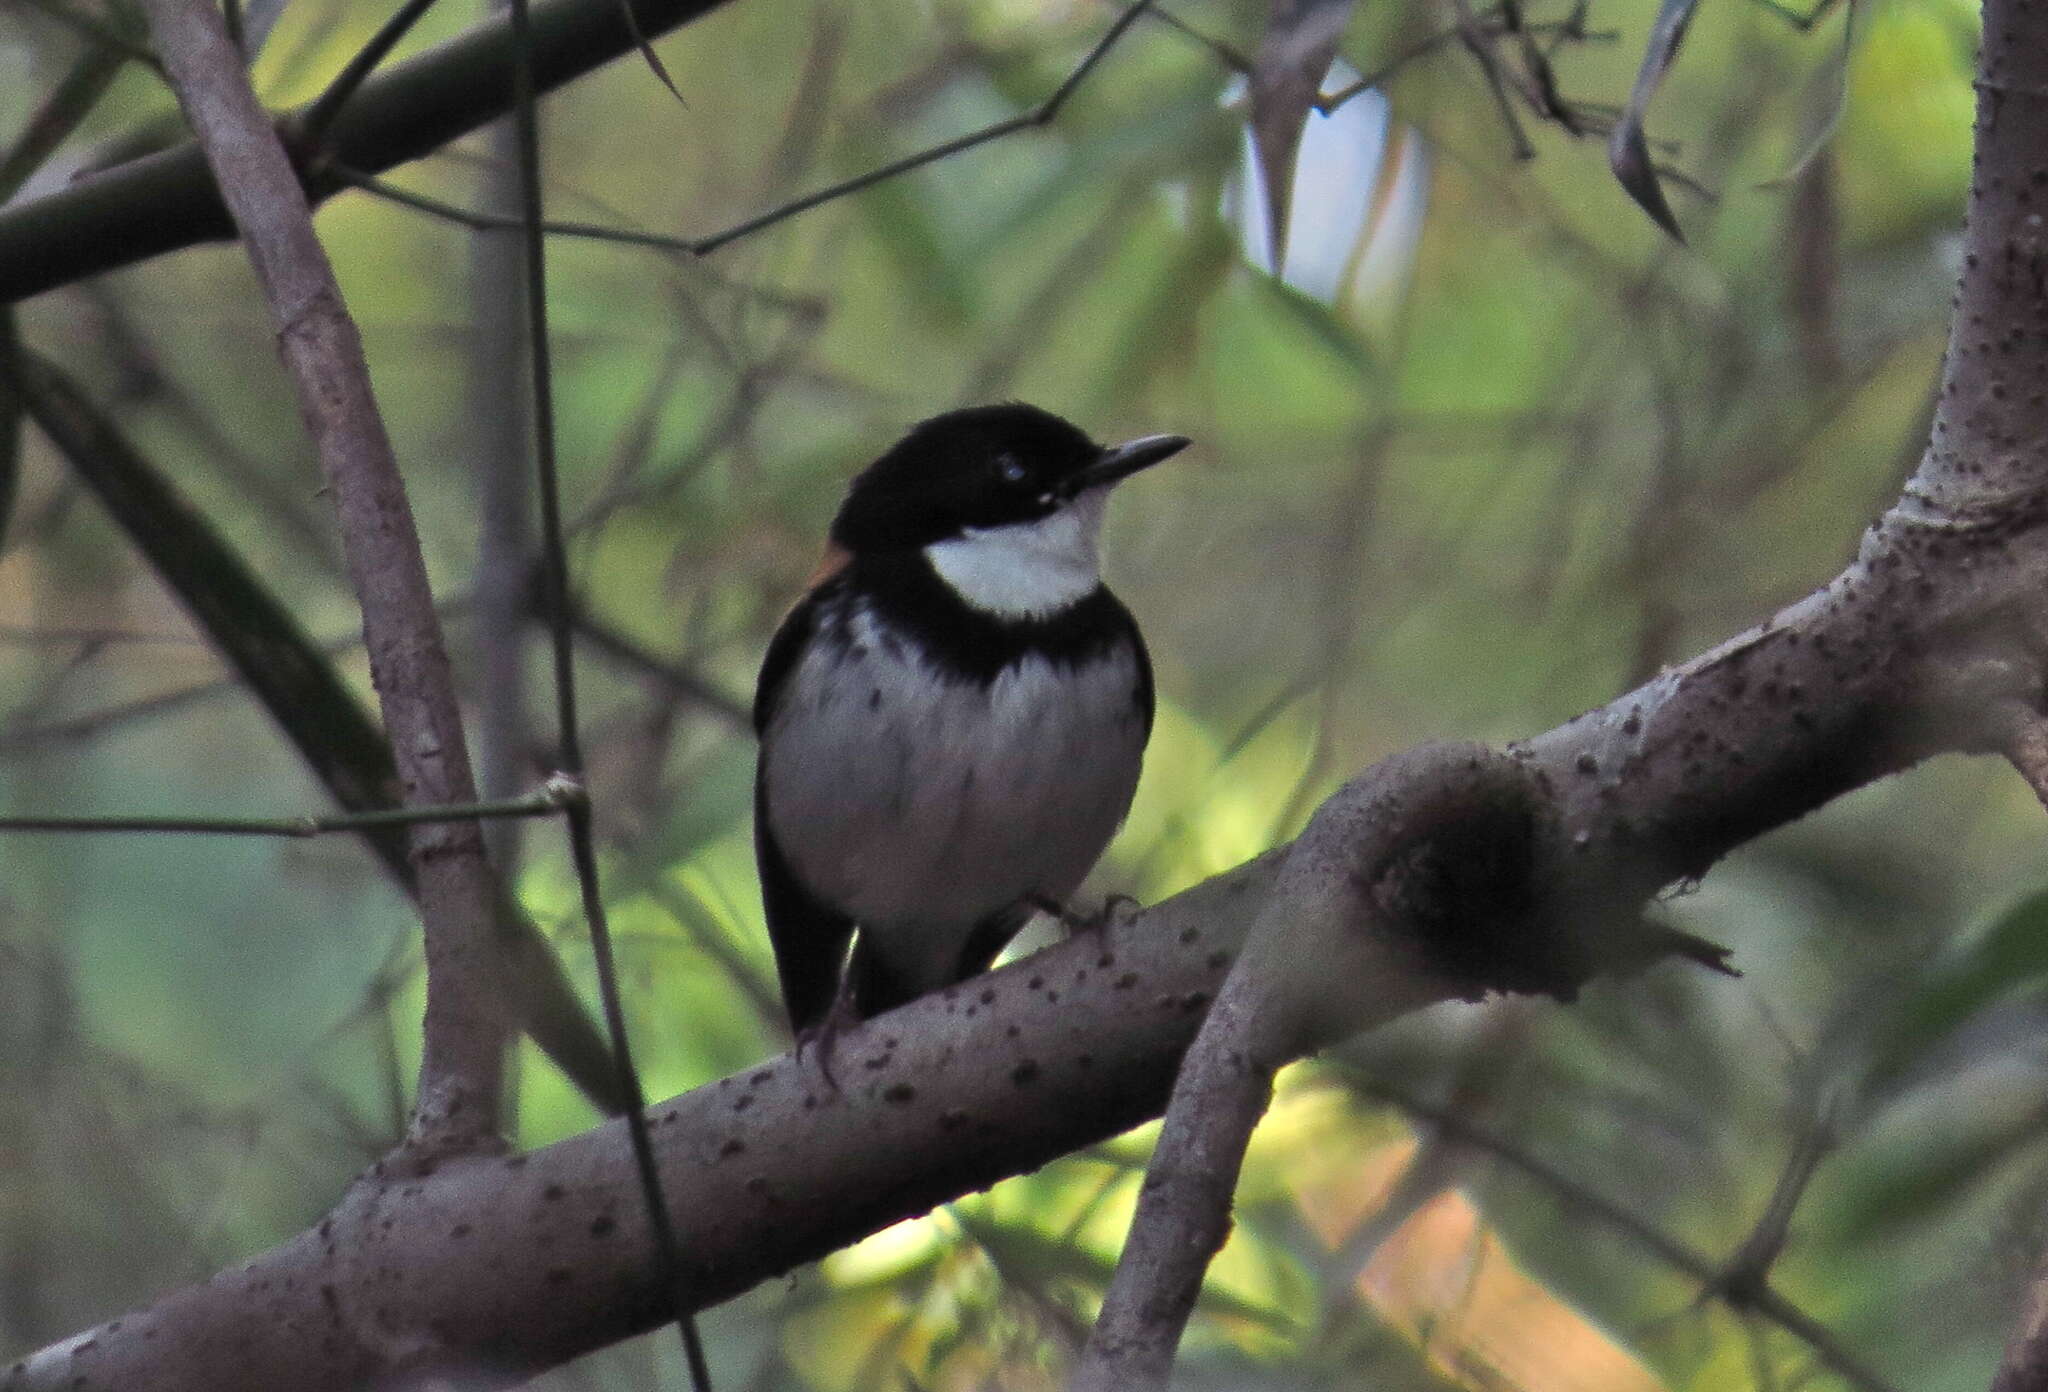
[921, 806]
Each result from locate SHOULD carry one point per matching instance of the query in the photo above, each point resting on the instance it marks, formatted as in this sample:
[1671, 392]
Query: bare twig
[468, 217]
[192, 219]
[1040, 115]
[542, 804]
[1759, 1296]
[462, 1065]
[1747, 1273]
[497, 449]
[98, 32]
[555, 603]
[320, 115]
[68, 103]
[1479, 44]
[677, 680]
[1332, 916]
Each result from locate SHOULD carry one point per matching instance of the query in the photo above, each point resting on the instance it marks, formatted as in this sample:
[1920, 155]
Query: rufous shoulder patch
[830, 564]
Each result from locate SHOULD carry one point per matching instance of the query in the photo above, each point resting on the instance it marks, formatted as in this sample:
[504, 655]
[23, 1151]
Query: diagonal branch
[1920, 648]
[461, 1073]
[169, 200]
[289, 676]
[530, 1261]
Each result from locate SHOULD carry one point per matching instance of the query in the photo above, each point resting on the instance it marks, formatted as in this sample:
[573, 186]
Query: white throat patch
[1028, 570]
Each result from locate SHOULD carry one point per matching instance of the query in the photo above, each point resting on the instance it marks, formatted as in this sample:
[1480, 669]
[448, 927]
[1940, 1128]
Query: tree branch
[169, 200]
[505, 1267]
[289, 676]
[1923, 645]
[461, 1072]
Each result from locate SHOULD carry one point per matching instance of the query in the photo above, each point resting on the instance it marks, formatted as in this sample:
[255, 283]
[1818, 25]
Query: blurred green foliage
[1556, 454]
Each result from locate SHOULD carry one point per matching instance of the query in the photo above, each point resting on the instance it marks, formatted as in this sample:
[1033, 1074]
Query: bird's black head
[985, 466]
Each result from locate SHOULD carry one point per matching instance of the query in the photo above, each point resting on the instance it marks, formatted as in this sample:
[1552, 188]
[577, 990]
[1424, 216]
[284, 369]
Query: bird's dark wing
[809, 937]
[1113, 618]
[783, 651]
[876, 988]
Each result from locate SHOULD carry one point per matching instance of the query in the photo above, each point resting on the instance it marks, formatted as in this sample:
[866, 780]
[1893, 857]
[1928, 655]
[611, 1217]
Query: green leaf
[2010, 955]
[1628, 152]
[647, 53]
[1931, 1173]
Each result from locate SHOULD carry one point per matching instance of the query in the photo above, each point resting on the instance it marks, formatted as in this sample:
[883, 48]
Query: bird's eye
[1011, 468]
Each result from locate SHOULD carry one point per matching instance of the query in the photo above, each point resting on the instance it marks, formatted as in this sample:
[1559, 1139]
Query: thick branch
[1986, 472]
[496, 1268]
[517, 1263]
[1332, 921]
[1927, 643]
[169, 200]
[461, 1073]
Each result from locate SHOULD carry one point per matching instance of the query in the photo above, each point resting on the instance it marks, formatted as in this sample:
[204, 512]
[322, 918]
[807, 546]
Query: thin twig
[1802, 22]
[68, 103]
[28, 636]
[1760, 1297]
[1038, 116]
[679, 681]
[1479, 44]
[99, 32]
[542, 804]
[1748, 1271]
[492, 222]
[462, 1063]
[320, 115]
[555, 603]
[1229, 56]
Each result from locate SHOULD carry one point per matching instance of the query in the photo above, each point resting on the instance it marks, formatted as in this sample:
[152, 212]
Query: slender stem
[462, 1061]
[541, 804]
[562, 642]
[493, 222]
[320, 115]
[1043, 113]
[1757, 1296]
[100, 33]
[69, 103]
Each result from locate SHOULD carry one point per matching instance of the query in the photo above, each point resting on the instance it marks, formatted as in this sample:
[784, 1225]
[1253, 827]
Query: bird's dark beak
[1121, 461]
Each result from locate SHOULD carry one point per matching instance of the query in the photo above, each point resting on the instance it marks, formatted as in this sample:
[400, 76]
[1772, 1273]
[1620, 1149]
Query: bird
[952, 716]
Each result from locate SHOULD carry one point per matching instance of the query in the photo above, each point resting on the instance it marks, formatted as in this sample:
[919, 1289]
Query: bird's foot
[824, 1035]
[1076, 922]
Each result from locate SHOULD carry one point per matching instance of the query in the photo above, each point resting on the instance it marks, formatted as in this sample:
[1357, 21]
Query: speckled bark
[1934, 639]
